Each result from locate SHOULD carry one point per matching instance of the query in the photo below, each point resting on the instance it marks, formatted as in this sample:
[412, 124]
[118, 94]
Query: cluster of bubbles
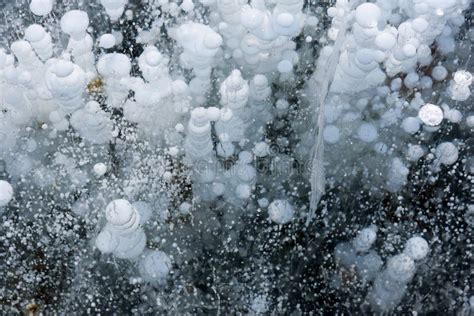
[388, 285]
[389, 82]
[171, 150]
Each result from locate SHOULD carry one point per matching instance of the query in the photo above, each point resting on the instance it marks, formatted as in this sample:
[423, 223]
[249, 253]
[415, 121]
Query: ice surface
[234, 157]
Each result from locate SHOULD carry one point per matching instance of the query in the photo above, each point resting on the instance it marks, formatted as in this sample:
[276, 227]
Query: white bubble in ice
[81, 207]
[397, 175]
[415, 152]
[364, 239]
[453, 115]
[426, 82]
[179, 128]
[245, 172]
[365, 56]
[6, 193]
[130, 245]
[470, 121]
[285, 66]
[401, 267]
[114, 65]
[62, 68]
[155, 266]
[447, 153]
[411, 80]
[34, 33]
[409, 50]
[396, 84]
[446, 44]
[107, 41]
[385, 41]
[100, 169]
[369, 265]
[417, 248]
[41, 7]
[92, 123]
[368, 15]
[381, 148]
[213, 113]
[245, 157]
[118, 37]
[185, 208]
[331, 134]
[419, 25]
[430, 114]
[263, 202]
[218, 188]
[261, 149]
[282, 104]
[280, 212]
[187, 5]
[243, 191]
[411, 125]
[459, 86]
[462, 77]
[251, 18]
[259, 305]
[285, 19]
[75, 23]
[106, 241]
[114, 8]
[226, 114]
[439, 73]
[119, 212]
[367, 132]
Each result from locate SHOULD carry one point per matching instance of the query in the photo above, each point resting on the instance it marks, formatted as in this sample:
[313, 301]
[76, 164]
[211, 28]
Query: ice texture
[236, 157]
